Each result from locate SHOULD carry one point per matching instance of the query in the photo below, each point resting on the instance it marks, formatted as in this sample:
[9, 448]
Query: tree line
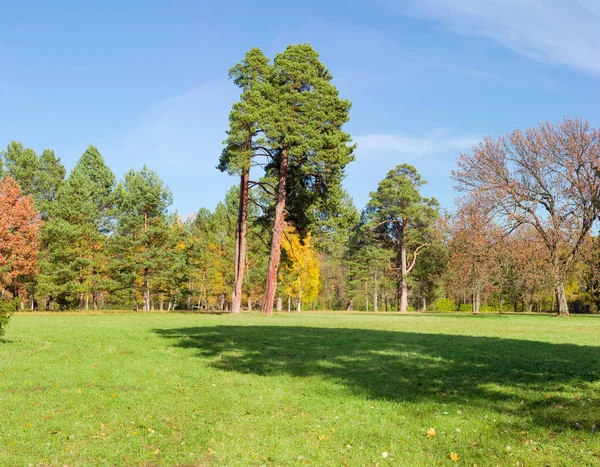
[288, 236]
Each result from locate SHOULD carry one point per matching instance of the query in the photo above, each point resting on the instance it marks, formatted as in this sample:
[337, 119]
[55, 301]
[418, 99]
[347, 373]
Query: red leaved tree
[19, 226]
[543, 177]
[474, 247]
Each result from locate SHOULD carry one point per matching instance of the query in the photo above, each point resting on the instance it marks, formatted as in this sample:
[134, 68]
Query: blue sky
[147, 82]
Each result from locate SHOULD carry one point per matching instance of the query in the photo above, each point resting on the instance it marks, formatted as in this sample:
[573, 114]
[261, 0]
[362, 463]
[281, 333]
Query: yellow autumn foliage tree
[300, 274]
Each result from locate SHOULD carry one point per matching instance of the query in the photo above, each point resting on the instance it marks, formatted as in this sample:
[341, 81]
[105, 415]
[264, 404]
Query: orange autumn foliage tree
[19, 227]
[544, 177]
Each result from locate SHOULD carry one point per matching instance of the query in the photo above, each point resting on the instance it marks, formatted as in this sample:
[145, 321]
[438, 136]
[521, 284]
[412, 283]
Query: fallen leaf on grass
[323, 438]
[454, 457]
[430, 433]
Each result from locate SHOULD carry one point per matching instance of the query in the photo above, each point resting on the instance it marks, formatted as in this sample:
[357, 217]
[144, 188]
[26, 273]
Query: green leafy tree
[402, 219]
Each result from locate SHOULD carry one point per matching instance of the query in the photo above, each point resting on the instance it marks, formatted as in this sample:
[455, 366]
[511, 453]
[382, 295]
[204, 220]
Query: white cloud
[413, 146]
[562, 31]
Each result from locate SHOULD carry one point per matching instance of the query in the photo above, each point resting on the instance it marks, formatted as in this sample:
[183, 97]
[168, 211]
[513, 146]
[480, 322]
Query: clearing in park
[309, 389]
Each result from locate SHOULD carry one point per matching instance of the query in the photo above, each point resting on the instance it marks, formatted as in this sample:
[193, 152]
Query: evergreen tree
[244, 143]
[303, 125]
[402, 219]
[142, 201]
[81, 218]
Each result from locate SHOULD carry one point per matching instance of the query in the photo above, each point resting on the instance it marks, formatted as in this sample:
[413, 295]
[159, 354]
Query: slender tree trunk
[476, 304]
[146, 297]
[240, 244]
[279, 305]
[367, 296]
[423, 304]
[403, 303]
[375, 299]
[249, 302]
[289, 304]
[278, 226]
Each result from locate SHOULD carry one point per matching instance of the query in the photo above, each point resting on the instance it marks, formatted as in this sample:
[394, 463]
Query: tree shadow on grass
[506, 375]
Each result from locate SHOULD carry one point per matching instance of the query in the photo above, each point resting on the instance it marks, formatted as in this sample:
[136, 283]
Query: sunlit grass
[299, 389]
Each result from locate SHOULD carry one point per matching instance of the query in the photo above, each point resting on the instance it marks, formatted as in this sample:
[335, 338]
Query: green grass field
[299, 389]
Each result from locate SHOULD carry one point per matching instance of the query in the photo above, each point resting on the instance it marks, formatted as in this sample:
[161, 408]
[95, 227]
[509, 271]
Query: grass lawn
[299, 389]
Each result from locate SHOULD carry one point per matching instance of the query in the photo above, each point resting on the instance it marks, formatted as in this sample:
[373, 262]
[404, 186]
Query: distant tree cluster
[289, 237]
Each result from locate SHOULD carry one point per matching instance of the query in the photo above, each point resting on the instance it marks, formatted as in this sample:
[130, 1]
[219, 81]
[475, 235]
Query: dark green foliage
[398, 212]
[305, 118]
[7, 308]
[143, 247]
[81, 216]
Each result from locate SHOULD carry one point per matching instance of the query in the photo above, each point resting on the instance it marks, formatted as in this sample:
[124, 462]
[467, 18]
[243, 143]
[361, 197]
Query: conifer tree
[303, 125]
[142, 201]
[81, 218]
[403, 219]
[243, 144]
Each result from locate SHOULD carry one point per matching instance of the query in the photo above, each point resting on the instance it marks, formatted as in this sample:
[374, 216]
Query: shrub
[444, 304]
[7, 307]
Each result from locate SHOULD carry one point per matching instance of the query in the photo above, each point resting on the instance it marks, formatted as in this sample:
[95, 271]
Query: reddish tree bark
[278, 227]
[240, 244]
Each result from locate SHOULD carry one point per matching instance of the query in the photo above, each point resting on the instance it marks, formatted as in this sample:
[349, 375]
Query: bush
[7, 308]
[444, 304]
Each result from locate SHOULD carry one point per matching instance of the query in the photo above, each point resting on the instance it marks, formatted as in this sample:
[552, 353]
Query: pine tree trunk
[403, 303]
[240, 244]
[366, 296]
[278, 226]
